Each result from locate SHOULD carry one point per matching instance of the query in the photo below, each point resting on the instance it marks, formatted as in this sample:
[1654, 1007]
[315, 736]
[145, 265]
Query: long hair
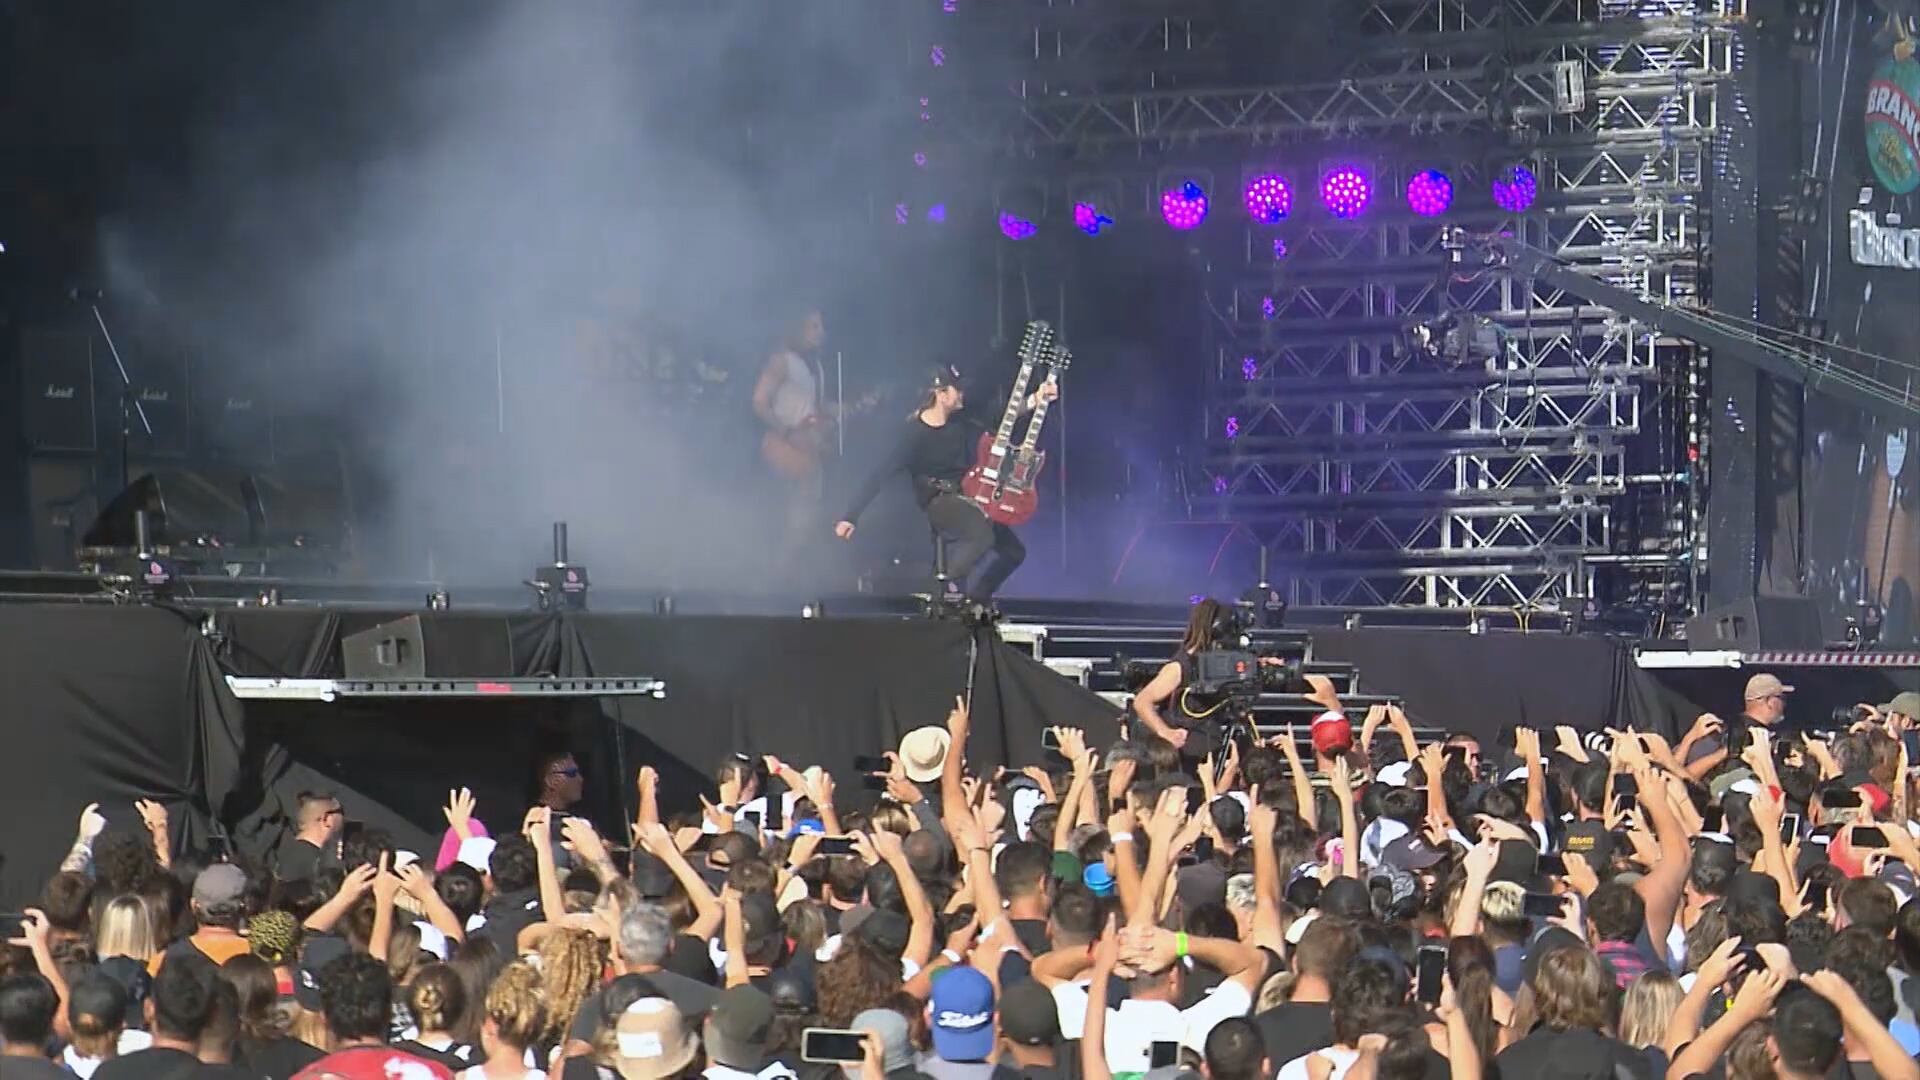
[1470, 964]
[1649, 1004]
[516, 1004]
[437, 998]
[1200, 623]
[1573, 990]
[858, 978]
[571, 961]
[125, 928]
[259, 992]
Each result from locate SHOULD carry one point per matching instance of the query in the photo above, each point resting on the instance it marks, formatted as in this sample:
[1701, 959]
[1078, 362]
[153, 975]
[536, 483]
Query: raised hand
[890, 848]
[1755, 999]
[1261, 822]
[358, 882]
[92, 822]
[1723, 963]
[386, 884]
[1321, 692]
[1580, 874]
[1119, 779]
[35, 931]
[152, 814]
[537, 826]
[1342, 780]
[1526, 744]
[579, 834]
[958, 720]
[1289, 749]
[414, 881]
[1479, 861]
[459, 813]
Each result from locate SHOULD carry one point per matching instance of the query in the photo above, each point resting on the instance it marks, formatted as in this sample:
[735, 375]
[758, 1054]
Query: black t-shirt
[930, 456]
[25, 1068]
[1032, 934]
[1293, 1029]
[507, 915]
[153, 1063]
[455, 1057]
[298, 861]
[1569, 1055]
[277, 1058]
[1060, 1070]
[691, 997]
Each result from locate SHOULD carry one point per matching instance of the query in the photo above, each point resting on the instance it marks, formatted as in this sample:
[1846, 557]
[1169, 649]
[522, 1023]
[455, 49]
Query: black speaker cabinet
[391, 650]
[436, 647]
[1758, 623]
[57, 390]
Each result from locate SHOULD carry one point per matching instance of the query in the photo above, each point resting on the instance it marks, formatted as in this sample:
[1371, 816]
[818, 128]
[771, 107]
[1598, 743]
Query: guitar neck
[1032, 440]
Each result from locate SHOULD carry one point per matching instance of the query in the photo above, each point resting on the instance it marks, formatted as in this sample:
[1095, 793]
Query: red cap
[1332, 734]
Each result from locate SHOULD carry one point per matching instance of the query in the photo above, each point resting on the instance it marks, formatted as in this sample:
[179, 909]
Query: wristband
[1119, 836]
[1180, 944]
[952, 956]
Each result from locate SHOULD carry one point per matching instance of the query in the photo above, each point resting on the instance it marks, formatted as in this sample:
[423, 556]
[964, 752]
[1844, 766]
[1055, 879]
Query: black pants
[970, 534]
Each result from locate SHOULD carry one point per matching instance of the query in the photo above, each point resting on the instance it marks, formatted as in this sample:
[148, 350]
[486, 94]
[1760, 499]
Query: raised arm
[919, 909]
[1302, 784]
[976, 854]
[1526, 742]
[1157, 692]
[953, 794]
[1864, 1028]
[1684, 1026]
[1662, 889]
[354, 886]
[1093, 1035]
[1349, 819]
[439, 915]
[1266, 880]
[538, 829]
[1478, 867]
[1754, 1002]
[386, 886]
[1121, 829]
[1162, 827]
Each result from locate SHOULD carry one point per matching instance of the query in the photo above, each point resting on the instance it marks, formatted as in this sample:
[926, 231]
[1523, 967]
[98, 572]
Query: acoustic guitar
[797, 452]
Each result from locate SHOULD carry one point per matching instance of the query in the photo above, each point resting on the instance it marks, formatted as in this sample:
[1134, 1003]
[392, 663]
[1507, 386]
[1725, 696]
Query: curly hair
[858, 978]
[517, 1006]
[571, 961]
[123, 863]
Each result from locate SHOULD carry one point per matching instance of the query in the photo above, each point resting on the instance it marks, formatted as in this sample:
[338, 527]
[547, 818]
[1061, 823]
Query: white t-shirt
[130, 1041]
[1135, 1026]
[1342, 1060]
[479, 1072]
[798, 395]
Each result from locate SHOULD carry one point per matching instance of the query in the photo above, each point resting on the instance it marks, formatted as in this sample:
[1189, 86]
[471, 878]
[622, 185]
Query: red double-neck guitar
[1001, 481]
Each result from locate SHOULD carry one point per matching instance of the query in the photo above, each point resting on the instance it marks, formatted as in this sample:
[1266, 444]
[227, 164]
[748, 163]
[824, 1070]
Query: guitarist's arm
[895, 461]
[771, 377]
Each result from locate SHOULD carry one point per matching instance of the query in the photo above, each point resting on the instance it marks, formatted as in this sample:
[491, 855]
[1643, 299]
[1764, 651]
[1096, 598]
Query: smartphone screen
[873, 782]
[1868, 836]
[1625, 784]
[1540, 905]
[1623, 805]
[830, 1045]
[1817, 895]
[1195, 799]
[1049, 739]
[1552, 865]
[1165, 1055]
[1431, 971]
[758, 817]
[12, 925]
[1789, 827]
[834, 845]
[868, 764]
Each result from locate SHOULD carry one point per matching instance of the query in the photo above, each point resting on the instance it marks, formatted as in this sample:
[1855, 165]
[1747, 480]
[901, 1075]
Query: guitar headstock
[1060, 360]
[1037, 343]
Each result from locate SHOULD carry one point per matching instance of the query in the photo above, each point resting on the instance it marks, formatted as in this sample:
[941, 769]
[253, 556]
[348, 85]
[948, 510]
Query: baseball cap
[738, 1025]
[1379, 834]
[1411, 852]
[962, 1015]
[1347, 897]
[320, 950]
[221, 883]
[1029, 1015]
[885, 930]
[941, 376]
[894, 1034]
[1517, 862]
[760, 919]
[477, 852]
[1764, 686]
[1394, 775]
[1592, 841]
[652, 1040]
[1332, 734]
[1906, 703]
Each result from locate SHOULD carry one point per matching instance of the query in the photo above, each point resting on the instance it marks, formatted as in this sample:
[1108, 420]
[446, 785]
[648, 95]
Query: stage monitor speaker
[430, 648]
[1758, 623]
[114, 527]
[64, 500]
[391, 650]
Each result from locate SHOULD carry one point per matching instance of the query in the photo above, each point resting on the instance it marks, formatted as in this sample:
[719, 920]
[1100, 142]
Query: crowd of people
[1742, 902]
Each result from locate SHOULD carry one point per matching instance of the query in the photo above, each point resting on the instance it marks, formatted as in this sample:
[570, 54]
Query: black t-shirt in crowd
[691, 997]
[1295, 1028]
[1570, 1054]
[26, 1068]
[931, 456]
[277, 1058]
[455, 1057]
[1032, 934]
[153, 1063]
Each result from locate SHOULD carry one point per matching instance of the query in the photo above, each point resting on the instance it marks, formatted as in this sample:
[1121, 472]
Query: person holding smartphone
[1711, 741]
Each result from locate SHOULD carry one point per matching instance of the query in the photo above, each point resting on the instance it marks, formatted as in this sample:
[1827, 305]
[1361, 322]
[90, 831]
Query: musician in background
[935, 451]
[787, 399]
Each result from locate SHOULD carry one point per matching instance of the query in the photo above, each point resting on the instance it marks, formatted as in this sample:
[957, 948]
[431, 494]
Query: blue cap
[808, 825]
[1098, 879]
[962, 1015]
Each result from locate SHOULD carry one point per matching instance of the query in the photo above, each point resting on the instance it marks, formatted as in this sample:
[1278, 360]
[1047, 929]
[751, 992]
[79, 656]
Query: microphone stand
[126, 396]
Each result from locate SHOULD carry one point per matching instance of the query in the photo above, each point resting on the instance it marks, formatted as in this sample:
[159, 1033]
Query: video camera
[1229, 671]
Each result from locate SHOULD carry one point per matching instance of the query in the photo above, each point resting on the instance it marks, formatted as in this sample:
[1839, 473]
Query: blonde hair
[1502, 902]
[125, 928]
[1573, 990]
[309, 1027]
[571, 963]
[1650, 1002]
[517, 1005]
[889, 816]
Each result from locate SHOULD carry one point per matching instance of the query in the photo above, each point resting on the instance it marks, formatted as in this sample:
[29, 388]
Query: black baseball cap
[1028, 1015]
[941, 376]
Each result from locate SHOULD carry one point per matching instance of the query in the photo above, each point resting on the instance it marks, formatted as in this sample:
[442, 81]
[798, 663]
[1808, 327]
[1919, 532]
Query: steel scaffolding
[1548, 470]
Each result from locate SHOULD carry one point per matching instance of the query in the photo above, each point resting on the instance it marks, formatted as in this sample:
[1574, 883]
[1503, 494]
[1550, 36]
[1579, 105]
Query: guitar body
[796, 453]
[1001, 484]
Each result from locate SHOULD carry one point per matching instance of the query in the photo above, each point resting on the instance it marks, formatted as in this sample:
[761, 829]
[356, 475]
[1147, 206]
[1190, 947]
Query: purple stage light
[1267, 307]
[1345, 192]
[1014, 227]
[1088, 219]
[1514, 188]
[901, 214]
[1279, 248]
[1429, 193]
[1219, 488]
[1269, 198]
[937, 213]
[1249, 368]
[1184, 207]
[1233, 427]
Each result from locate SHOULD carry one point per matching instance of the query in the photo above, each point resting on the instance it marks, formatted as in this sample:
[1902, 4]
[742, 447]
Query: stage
[111, 703]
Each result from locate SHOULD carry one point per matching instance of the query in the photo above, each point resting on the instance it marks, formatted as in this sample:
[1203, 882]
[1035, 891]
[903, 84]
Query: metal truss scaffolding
[1523, 477]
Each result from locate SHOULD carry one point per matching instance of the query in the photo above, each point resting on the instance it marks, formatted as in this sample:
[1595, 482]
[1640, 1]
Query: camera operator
[1710, 741]
[1195, 726]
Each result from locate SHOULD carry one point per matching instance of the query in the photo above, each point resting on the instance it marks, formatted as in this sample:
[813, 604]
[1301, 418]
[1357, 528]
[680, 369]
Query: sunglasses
[570, 772]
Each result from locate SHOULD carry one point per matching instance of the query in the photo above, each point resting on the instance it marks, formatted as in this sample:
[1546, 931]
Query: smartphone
[873, 781]
[1868, 836]
[1540, 905]
[834, 845]
[758, 817]
[1841, 800]
[1623, 805]
[1551, 865]
[1625, 784]
[1049, 739]
[12, 925]
[867, 763]
[1789, 827]
[1429, 971]
[1196, 798]
[1817, 895]
[1714, 820]
[1165, 1055]
[829, 1046]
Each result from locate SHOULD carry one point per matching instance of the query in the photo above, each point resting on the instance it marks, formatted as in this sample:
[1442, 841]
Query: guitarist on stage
[787, 399]
[935, 451]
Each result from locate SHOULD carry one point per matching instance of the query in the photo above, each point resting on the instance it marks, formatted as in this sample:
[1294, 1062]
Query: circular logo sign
[1893, 125]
